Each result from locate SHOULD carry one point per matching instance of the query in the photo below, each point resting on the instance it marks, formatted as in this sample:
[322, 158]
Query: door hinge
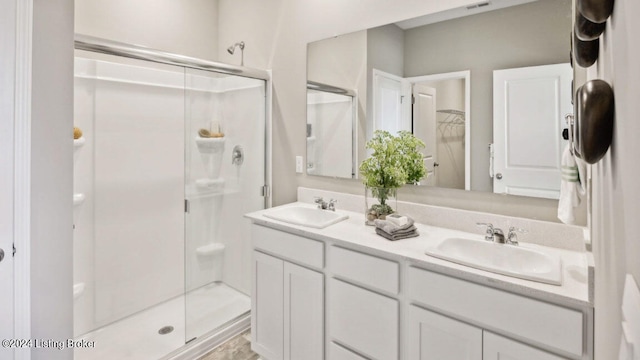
[265, 190]
[14, 250]
[187, 207]
[413, 99]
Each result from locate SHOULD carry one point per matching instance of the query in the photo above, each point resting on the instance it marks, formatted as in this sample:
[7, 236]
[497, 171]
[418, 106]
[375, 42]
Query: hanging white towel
[572, 187]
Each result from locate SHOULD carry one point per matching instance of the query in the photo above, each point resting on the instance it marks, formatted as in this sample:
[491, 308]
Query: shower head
[231, 49]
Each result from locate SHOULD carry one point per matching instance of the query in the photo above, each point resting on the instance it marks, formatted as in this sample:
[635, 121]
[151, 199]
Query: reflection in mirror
[505, 34]
[331, 119]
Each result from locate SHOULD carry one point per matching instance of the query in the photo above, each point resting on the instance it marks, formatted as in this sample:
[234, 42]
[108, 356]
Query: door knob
[499, 176]
[1, 254]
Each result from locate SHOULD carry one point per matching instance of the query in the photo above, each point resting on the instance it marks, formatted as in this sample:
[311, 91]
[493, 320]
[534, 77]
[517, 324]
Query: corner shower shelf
[78, 290]
[78, 143]
[78, 199]
[210, 249]
[215, 185]
[210, 145]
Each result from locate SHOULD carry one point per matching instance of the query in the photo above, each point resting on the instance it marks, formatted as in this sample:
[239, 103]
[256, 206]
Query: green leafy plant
[395, 161]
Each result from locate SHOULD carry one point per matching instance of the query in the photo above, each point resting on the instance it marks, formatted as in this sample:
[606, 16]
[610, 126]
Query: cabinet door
[303, 313]
[497, 347]
[431, 336]
[267, 299]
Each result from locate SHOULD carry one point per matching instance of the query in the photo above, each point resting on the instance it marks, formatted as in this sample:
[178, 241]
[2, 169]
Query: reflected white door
[7, 67]
[424, 128]
[391, 103]
[529, 105]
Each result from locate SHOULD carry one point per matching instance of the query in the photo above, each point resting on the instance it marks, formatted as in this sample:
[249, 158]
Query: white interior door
[391, 104]
[425, 127]
[7, 68]
[529, 105]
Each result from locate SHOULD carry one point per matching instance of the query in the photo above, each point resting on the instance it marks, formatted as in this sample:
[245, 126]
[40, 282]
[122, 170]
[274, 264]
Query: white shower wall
[237, 105]
[129, 250]
[130, 241]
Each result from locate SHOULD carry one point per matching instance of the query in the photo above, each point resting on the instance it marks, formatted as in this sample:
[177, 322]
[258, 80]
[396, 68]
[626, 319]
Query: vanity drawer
[541, 323]
[363, 320]
[288, 246]
[337, 352]
[367, 270]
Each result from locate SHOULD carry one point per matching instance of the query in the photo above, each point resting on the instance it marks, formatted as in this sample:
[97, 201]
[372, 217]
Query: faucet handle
[318, 199]
[512, 238]
[332, 204]
[490, 230]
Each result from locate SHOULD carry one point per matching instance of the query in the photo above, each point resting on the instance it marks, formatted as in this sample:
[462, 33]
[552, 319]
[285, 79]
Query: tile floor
[236, 348]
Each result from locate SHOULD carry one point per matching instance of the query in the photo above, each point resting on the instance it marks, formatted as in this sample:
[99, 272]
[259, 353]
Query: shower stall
[169, 153]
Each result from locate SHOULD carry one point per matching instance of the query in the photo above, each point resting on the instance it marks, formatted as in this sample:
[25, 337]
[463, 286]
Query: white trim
[7, 111]
[22, 167]
[269, 138]
[466, 75]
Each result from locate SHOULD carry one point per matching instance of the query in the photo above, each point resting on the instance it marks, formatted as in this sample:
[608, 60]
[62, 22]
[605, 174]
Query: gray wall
[501, 39]
[616, 190]
[52, 176]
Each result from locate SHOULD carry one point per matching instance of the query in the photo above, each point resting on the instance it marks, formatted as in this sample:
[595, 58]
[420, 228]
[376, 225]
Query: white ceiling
[473, 9]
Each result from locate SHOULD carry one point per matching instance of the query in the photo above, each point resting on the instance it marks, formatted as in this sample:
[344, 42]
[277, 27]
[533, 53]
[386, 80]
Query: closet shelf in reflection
[454, 117]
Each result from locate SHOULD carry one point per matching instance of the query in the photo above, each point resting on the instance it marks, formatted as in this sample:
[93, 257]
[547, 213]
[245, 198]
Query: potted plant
[394, 161]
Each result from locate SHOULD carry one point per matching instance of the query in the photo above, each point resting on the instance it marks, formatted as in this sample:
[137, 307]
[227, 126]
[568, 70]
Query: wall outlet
[299, 164]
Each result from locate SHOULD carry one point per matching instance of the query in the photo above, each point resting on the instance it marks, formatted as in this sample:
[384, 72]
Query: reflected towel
[572, 186]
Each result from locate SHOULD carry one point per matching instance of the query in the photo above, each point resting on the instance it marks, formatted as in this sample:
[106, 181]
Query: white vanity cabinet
[556, 329]
[362, 306]
[497, 347]
[287, 317]
[431, 336]
[331, 300]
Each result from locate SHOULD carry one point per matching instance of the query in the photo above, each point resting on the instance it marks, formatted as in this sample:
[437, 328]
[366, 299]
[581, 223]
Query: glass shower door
[224, 172]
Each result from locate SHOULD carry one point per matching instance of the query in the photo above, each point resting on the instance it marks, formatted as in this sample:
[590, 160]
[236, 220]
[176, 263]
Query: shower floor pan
[137, 337]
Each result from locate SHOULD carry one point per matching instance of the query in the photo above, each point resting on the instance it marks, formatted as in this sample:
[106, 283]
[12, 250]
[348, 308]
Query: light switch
[299, 164]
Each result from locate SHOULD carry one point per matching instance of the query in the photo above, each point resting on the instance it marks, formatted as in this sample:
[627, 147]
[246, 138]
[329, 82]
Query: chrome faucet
[493, 234]
[323, 205]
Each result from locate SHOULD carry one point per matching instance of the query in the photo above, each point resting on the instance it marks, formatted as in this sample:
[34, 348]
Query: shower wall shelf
[210, 249]
[210, 145]
[78, 143]
[78, 290]
[78, 199]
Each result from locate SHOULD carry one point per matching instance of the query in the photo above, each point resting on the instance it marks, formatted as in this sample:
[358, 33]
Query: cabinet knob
[499, 176]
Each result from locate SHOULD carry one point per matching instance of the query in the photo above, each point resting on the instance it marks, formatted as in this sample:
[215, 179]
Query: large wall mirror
[486, 87]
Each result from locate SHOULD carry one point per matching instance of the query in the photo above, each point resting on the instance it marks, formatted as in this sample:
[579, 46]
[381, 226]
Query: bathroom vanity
[345, 293]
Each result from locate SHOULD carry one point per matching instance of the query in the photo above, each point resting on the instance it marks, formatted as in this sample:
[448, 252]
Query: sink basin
[309, 217]
[503, 259]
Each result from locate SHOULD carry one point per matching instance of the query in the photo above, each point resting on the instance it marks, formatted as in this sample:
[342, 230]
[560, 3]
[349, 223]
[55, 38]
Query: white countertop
[353, 233]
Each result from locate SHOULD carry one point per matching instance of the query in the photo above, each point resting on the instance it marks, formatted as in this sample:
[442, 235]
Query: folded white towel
[572, 187]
